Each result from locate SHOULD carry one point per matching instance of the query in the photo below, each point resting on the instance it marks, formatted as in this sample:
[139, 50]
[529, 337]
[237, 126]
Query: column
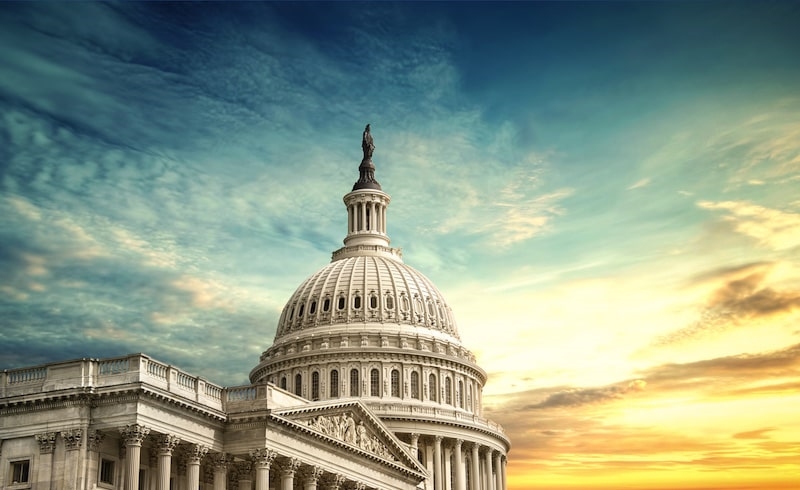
[93, 455]
[447, 472]
[72, 441]
[476, 468]
[437, 463]
[166, 444]
[459, 462]
[310, 475]
[220, 463]
[243, 471]
[133, 435]
[262, 459]
[487, 470]
[47, 445]
[288, 468]
[331, 481]
[194, 454]
[498, 475]
[415, 445]
[503, 467]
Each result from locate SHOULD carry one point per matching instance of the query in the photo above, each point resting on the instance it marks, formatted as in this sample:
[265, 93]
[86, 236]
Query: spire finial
[366, 171]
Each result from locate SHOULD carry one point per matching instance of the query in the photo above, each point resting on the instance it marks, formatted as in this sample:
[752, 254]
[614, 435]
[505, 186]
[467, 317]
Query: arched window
[315, 385]
[300, 312]
[354, 391]
[448, 395]
[313, 308]
[460, 394]
[291, 314]
[341, 303]
[373, 301]
[283, 382]
[326, 305]
[357, 302]
[298, 384]
[334, 383]
[415, 385]
[374, 383]
[389, 302]
[469, 397]
[404, 302]
[432, 387]
[395, 383]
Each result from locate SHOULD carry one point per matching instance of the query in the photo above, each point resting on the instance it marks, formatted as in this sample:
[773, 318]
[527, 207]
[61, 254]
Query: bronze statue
[367, 145]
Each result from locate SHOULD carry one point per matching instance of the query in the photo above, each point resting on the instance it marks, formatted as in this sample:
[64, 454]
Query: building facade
[366, 385]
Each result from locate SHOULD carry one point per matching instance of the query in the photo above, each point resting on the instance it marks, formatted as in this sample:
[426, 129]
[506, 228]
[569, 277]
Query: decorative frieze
[344, 428]
[47, 442]
[72, 438]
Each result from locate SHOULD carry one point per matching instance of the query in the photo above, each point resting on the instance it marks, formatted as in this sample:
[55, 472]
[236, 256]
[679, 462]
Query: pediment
[351, 423]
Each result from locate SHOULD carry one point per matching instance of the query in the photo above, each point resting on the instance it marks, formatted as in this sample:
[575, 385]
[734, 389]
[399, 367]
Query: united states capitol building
[366, 386]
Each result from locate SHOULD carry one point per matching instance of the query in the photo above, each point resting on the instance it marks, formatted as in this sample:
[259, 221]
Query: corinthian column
[310, 475]
[220, 471]
[288, 468]
[476, 468]
[498, 473]
[133, 435]
[166, 444]
[460, 473]
[262, 459]
[194, 454]
[437, 463]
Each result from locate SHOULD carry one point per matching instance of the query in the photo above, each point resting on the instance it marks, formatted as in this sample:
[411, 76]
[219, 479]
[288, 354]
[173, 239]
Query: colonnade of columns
[255, 469]
[456, 464]
[366, 216]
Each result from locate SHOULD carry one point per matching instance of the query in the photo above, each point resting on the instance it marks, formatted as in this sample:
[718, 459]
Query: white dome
[368, 289]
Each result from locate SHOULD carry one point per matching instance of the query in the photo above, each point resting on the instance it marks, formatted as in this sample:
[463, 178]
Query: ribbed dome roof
[367, 289]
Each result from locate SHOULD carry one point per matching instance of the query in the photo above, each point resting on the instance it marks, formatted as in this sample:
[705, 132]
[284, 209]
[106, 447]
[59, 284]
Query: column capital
[220, 461]
[242, 470]
[288, 466]
[311, 474]
[355, 485]
[196, 452]
[333, 481]
[263, 457]
[94, 439]
[458, 443]
[166, 443]
[438, 439]
[134, 434]
[72, 438]
[47, 442]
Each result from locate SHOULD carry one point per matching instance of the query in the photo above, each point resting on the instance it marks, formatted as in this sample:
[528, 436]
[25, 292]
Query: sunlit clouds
[605, 193]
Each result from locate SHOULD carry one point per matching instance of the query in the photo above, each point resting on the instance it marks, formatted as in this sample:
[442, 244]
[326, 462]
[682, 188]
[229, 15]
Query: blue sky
[606, 193]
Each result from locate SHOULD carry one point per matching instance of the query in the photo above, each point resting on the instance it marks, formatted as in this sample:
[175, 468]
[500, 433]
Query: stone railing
[103, 374]
[437, 413]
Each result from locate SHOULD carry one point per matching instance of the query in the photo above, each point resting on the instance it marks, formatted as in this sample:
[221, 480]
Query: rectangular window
[107, 471]
[20, 471]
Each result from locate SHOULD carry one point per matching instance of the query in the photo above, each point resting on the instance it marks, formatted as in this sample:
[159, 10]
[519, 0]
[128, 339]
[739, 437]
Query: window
[313, 308]
[415, 385]
[357, 302]
[432, 387]
[395, 383]
[448, 395]
[315, 385]
[373, 301]
[460, 394]
[326, 305]
[389, 302]
[341, 303]
[298, 384]
[20, 471]
[300, 312]
[374, 383]
[283, 382]
[107, 471]
[335, 384]
[354, 391]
